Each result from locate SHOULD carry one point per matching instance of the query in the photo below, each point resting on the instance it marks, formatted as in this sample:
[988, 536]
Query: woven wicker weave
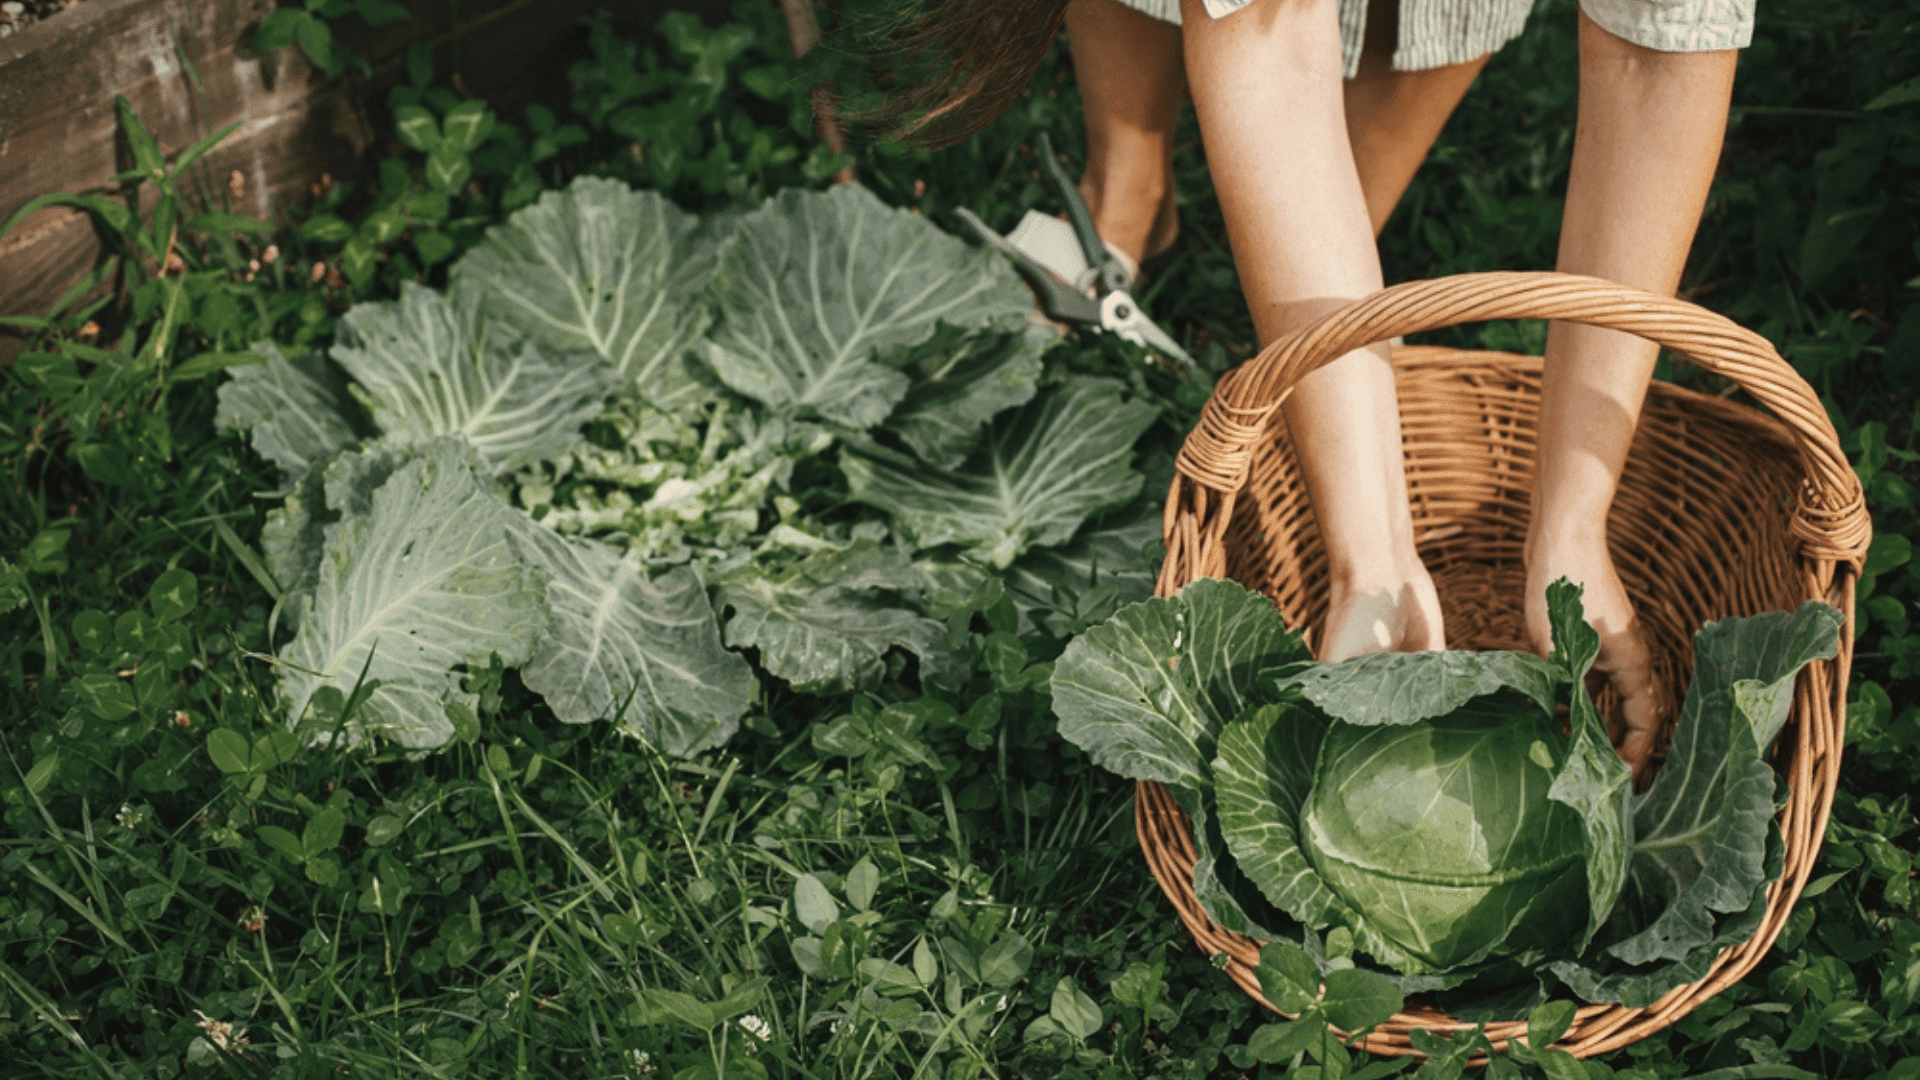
[1721, 511]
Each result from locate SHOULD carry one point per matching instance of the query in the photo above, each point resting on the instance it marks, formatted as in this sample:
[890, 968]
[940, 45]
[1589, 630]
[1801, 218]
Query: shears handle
[1113, 276]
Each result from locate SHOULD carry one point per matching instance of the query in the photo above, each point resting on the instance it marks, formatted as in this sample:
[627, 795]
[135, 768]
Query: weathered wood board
[188, 69]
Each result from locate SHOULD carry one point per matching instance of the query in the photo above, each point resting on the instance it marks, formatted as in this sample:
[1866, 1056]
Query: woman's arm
[1266, 84]
[1649, 136]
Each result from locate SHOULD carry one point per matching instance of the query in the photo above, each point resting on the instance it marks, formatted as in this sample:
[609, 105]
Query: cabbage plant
[1462, 815]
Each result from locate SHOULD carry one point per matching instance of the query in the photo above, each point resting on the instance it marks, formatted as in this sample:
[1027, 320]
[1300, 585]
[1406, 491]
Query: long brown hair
[951, 67]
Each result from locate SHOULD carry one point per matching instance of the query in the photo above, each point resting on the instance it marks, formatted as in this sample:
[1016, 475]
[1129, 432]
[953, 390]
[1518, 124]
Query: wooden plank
[188, 68]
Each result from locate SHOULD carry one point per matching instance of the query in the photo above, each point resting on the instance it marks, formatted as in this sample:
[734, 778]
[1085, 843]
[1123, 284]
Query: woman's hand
[1400, 613]
[1624, 658]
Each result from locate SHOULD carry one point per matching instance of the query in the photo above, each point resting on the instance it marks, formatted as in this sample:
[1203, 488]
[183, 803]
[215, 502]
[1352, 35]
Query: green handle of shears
[1112, 275]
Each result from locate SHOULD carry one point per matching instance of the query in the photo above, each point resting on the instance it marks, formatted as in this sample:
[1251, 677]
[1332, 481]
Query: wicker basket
[1721, 511]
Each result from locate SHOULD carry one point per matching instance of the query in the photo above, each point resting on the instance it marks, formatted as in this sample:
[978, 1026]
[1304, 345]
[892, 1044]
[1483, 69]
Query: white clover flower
[758, 1028]
[220, 1033]
[643, 1064]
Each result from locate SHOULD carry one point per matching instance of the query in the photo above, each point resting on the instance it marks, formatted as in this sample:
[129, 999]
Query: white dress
[1435, 33]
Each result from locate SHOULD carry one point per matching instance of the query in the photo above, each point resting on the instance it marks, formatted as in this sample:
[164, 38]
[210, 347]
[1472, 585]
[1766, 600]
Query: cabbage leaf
[960, 380]
[821, 294]
[827, 621]
[295, 412]
[422, 583]
[1147, 692]
[602, 268]
[1406, 688]
[1042, 473]
[1263, 774]
[427, 368]
[1701, 827]
[1594, 781]
[622, 644]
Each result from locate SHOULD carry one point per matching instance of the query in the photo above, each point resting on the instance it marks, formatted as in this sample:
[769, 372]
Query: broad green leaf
[92, 631]
[1111, 559]
[448, 170]
[599, 267]
[862, 881]
[1277, 1043]
[1405, 688]
[1004, 962]
[359, 260]
[1041, 474]
[1700, 830]
[422, 583]
[686, 1008]
[1077, 1014]
[277, 29]
[317, 39]
[105, 696]
[173, 594]
[467, 125]
[1357, 999]
[1262, 776]
[283, 841]
[819, 291]
[960, 380]
[1146, 693]
[1594, 781]
[1226, 893]
[1897, 94]
[427, 368]
[326, 229]
[827, 622]
[323, 832]
[1548, 1022]
[228, 750]
[384, 830]
[1602, 977]
[1289, 979]
[351, 479]
[813, 905]
[1442, 836]
[295, 412]
[621, 644]
[297, 531]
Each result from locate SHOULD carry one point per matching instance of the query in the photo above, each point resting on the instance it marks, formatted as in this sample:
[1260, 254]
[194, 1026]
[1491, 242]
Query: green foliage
[1440, 820]
[546, 898]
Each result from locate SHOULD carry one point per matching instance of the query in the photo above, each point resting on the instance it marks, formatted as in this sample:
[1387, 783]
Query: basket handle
[1831, 518]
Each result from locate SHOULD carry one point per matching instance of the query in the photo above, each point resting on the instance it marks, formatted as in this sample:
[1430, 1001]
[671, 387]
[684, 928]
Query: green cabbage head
[1440, 833]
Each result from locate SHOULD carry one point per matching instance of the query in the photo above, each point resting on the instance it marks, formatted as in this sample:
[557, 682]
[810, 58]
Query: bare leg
[1132, 79]
[1393, 117]
[1266, 83]
[1649, 136]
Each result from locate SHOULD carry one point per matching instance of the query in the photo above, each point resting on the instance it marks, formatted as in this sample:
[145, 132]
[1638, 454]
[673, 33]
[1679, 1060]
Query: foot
[1624, 660]
[1397, 612]
[1141, 220]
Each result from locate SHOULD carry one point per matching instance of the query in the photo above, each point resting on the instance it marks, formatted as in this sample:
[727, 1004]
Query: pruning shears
[1108, 303]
